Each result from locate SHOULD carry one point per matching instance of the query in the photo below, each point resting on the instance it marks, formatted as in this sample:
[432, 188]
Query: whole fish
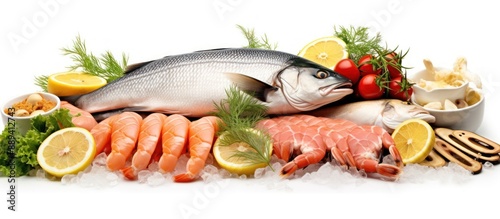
[386, 113]
[189, 84]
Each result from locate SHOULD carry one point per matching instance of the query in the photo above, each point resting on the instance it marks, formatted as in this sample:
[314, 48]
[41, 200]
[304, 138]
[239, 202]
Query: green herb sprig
[239, 113]
[105, 65]
[256, 42]
[358, 41]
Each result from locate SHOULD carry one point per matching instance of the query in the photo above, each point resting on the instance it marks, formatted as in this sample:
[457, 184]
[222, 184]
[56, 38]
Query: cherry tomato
[348, 69]
[368, 88]
[366, 65]
[397, 89]
[393, 66]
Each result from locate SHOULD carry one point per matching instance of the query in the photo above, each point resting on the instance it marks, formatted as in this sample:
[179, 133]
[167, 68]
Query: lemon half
[225, 155]
[66, 151]
[73, 83]
[326, 51]
[414, 140]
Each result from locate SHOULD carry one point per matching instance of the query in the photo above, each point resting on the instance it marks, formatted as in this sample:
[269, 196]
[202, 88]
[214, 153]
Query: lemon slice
[227, 155]
[73, 83]
[414, 140]
[66, 151]
[327, 51]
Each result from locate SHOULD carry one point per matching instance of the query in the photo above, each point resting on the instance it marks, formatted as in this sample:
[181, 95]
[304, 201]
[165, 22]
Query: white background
[32, 33]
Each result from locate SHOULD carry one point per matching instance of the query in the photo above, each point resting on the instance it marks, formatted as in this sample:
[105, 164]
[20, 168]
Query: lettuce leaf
[23, 159]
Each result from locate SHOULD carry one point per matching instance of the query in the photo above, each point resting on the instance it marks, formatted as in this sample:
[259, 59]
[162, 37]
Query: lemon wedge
[239, 157]
[73, 83]
[414, 140]
[326, 51]
[66, 151]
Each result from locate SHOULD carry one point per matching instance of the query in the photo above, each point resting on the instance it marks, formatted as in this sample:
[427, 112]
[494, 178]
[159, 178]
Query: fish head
[396, 111]
[307, 86]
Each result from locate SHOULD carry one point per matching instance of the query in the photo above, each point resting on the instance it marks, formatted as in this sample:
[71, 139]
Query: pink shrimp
[102, 135]
[124, 133]
[201, 137]
[80, 118]
[174, 138]
[304, 143]
[149, 136]
[362, 147]
[350, 144]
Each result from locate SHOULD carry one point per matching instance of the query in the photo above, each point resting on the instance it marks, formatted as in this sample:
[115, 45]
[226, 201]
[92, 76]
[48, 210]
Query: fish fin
[132, 67]
[249, 85]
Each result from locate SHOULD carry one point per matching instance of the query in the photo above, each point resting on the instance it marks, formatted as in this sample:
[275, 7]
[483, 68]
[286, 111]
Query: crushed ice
[451, 172]
[95, 175]
[329, 174]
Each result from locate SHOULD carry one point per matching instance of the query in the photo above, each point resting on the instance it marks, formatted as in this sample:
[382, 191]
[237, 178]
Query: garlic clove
[33, 99]
[434, 105]
[21, 113]
[449, 105]
[37, 112]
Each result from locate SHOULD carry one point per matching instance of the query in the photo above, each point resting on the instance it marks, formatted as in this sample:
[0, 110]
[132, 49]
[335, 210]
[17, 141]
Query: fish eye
[322, 74]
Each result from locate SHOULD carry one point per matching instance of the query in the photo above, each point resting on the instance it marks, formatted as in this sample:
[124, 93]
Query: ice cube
[40, 173]
[211, 169]
[259, 173]
[68, 179]
[100, 159]
[143, 175]
[224, 174]
[156, 179]
[487, 165]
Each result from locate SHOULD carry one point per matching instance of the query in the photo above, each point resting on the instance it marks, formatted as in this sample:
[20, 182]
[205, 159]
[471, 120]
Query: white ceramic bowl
[423, 96]
[467, 118]
[23, 123]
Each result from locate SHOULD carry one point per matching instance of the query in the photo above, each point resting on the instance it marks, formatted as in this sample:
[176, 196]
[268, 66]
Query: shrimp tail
[129, 173]
[185, 177]
[194, 167]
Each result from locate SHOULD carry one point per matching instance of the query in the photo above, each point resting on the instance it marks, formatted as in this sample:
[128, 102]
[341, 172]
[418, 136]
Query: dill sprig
[105, 66]
[42, 81]
[239, 113]
[358, 41]
[254, 41]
